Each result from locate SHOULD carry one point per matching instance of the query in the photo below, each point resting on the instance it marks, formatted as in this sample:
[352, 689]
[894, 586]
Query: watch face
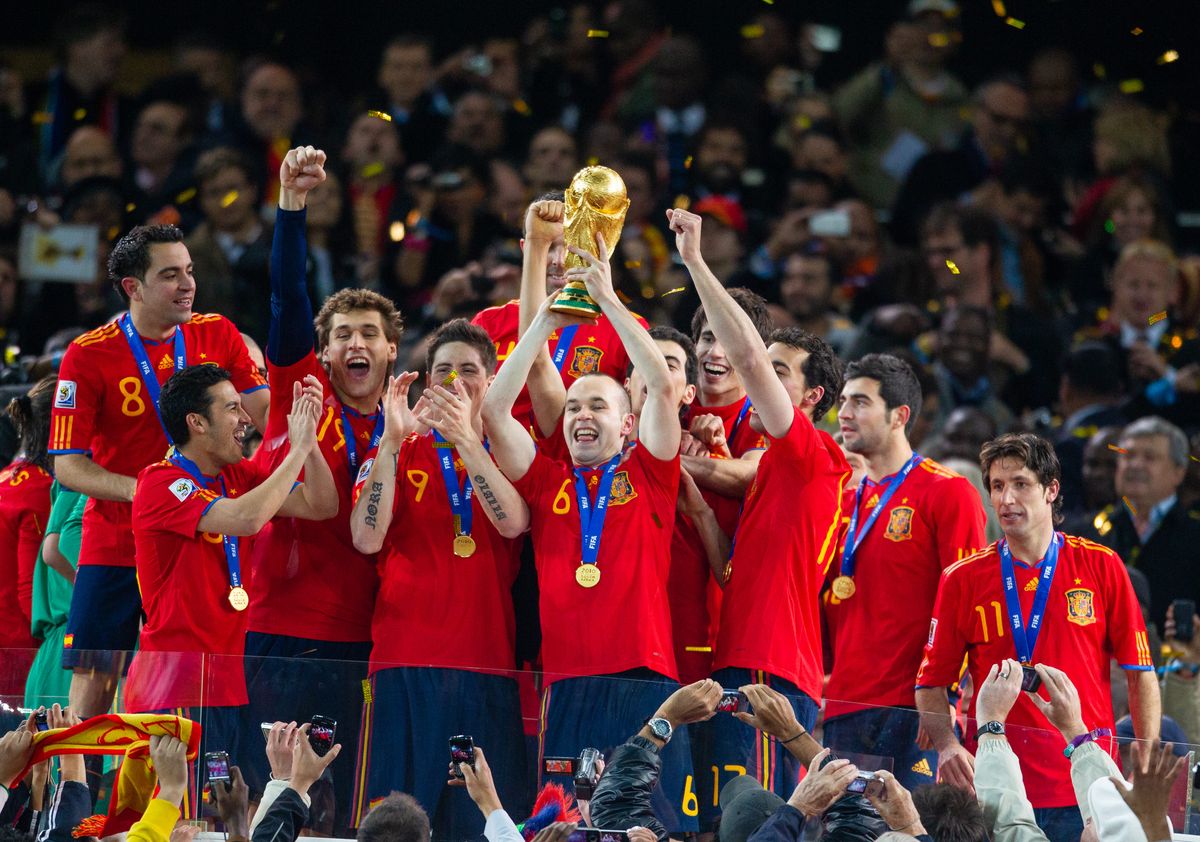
[661, 728]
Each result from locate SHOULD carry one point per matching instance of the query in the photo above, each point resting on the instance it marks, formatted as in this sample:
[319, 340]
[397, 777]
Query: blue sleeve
[291, 333]
[72, 804]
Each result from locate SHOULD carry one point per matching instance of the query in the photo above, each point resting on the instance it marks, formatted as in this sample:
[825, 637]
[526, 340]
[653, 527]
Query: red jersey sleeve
[801, 444]
[946, 645]
[530, 485]
[168, 500]
[960, 522]
[242, 372]
[76, 402]
[33, 526]
[1126, 626]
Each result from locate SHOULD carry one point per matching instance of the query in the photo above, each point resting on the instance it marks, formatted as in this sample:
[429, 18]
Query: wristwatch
[661, 728]
[992, 727]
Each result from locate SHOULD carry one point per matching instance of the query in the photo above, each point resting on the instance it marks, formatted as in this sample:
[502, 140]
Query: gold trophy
[595, 201]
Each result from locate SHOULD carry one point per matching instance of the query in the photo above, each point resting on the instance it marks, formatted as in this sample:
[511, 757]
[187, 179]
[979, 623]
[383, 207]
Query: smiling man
[105, 428]
[1043, 597]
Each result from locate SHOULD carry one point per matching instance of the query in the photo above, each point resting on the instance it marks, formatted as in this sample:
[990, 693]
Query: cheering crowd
[865, 499]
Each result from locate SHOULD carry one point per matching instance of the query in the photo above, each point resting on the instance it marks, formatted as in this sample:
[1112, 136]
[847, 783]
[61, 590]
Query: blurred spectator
[806, 292]
[963, 362]
[271, 110]
[1062, 117]
[405, 78]
[1088, 397]
[564, 75]
[478, 124]
[212, 62]
[719, 166]
[89, 152]
[1000, 117]
[161, 155]
[897, 109]
[1099, 480]
[509, 196]
[552, 160]
[821, 148]
[858, 255]
[330, 250]
[12, 293]
[374, 197]
[231, 247]
[1021, 203]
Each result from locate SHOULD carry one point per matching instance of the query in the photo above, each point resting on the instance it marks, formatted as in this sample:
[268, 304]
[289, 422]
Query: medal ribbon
[1025, 636]
[591, 518]
[149, 378]
[565, 338]
[854, 538]
[733, 431]
[460, 496]
[352, 444]
[230, 542]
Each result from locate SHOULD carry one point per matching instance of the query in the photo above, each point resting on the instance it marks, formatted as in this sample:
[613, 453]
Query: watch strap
[1090, 736]
[994, 727]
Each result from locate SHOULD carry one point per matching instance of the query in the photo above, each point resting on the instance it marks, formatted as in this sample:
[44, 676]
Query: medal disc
[464, 546]
[239, 599]
[587, 575]
[843, 587]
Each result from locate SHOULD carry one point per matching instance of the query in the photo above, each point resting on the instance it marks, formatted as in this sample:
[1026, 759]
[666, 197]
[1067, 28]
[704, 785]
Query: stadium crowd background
[950, 184]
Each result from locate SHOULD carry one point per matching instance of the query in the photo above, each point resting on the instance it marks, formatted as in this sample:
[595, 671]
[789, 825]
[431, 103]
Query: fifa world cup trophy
[595, 201]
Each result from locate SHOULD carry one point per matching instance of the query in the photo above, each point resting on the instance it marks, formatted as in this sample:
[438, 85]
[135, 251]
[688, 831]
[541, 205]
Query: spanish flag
[115, 733]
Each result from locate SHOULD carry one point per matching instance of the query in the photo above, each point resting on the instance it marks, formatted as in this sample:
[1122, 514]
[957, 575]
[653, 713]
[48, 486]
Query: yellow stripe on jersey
[832, 533]
[938, 469]
[975, 556]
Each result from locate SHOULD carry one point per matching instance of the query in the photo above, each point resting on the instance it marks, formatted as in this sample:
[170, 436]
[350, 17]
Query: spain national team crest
[899, 527]
[622, 489]
[1081, 607]
[585, 361]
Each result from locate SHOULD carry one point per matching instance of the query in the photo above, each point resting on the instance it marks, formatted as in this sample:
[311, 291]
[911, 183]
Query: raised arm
[291, 332]
[730, 477]
[547, 394]
[658, 427]
[372, 513]
[249, 513]
[317, 497]
[733, 329]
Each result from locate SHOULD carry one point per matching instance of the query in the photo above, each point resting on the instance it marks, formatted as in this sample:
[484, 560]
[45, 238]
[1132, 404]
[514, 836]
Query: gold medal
[587, 575]
[239, 599]
[464, 546]
[843, 587]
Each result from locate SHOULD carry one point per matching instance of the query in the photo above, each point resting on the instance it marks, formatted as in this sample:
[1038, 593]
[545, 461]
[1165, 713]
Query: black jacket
[622, 797]
[284, 818]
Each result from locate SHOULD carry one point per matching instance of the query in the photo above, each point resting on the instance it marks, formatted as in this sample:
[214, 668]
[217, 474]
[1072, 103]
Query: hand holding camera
[823, 785]
[476, 776]
[894, 804]
[1063, 708]
[308, 763]
[692, 703]
[999, 691]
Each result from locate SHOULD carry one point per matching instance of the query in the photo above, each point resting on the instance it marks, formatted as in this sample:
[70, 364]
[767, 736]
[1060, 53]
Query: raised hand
[998, 692]
[686, 226]
[597, 274]
[772, 712]
[303, 168]
[823, 785]
[1063, 708]
[710, 430]
[302, 420]
[449, 413]
[1155, 771]
[544, 220]
[691, 703]
[281, 742]
[398, 420]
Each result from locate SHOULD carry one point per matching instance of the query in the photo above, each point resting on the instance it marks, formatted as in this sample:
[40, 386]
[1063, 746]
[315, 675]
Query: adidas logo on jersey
[921, 767]
[166, 362]
[1031, 586]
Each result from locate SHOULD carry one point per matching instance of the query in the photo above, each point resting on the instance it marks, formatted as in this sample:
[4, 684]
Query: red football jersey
[934, 519]
[184, 580]
[24, 510]
[101, 408]
[740, 436]
[312, 582]
[434, 607]
[1091, 617]
[787, 534]
[624, 622]
[594, 348]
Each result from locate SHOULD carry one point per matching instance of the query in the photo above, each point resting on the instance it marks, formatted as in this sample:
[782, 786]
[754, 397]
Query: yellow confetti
[1193, 458]
[753, 30]
[682, 202]
[1015, 23]
[1099, 70]
[1131, 86]
[592, 161]
[229, 198]
[802, 122]
[597, 33]
[1168, 57]
[413, 218]
[80, 113]
[186, 195]
[687, 162]
[632, 264]
[998, 8]
[697, 649]
[42, 117]
[381, 115]
[373, 169]
[1176, 342]
[130, 208]
[1136, 31]
[113, 232]
[953, 267]
[1158, 317]
[450, 378]
[939, 39]
[1116, 449]
[769, 2]
[1130, 505]
[522, 107]
[396, 231]
[672, 291]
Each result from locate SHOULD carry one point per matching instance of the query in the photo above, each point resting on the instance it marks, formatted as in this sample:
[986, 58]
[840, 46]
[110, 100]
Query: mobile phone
[462, 750]
[591, 834]
[859, 784]
[1030, 680]
[1184, 612]
[40, 721]
[829, 223]
[320, 734]
[733, 701]
[217, 764]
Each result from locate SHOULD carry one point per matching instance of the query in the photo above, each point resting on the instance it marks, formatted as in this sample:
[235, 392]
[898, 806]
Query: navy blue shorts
[106, 608]
[289, 679]
[603, 712]
[725, 747]
[408, 721]
[883, 732]
[221, 729]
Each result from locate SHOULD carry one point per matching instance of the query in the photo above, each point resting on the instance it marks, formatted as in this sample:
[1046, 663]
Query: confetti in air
[998, 8]
[1168, 57]
[229, 198]
[372, 170]
[380, 115]
[597, 33]
[632, 264]
[1131, 86]
[1116, 449]
[1015, 23]
[1136, 31]
[687, 162]
[953, 267]
[396, 231]
[1100, 71]
[186, 195]
[130, 208]
[753, 30]
[682, 202]
[1158, 317]
[672, 291]
[1130, 505]
[80, 113]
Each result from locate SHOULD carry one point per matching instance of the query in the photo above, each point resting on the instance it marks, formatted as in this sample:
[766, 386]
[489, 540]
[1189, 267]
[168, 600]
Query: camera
[1030, 680]
[462, 750]
[859, 784]
[733, 701]
[320, 734]
[1184, 612]
[40, 721]
[591, 834]
[584, 770]
[217, 764]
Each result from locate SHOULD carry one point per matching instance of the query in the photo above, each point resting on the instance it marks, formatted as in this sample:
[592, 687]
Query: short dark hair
[130, 257]
[1092, 368]
[1032, 451]
[754, 305]
[951, 814]
[821, 368]
[397, 818]
[355, 298]
[977, 227]
[898, 383]
[213, 162]
[409, 40]
[691, 365]
[187, 392]
[461, 330]
[83, 21]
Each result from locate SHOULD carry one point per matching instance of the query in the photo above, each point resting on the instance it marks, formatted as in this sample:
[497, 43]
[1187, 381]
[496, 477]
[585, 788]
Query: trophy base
[571, 303]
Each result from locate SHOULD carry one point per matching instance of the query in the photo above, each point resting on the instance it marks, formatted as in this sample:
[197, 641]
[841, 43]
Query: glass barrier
[396, 725]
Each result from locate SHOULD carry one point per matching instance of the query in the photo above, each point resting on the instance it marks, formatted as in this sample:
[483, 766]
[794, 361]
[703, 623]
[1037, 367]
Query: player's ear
[196, 422]
[689, 394]
[813, 396]
[130, 284]
[1052, 491]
